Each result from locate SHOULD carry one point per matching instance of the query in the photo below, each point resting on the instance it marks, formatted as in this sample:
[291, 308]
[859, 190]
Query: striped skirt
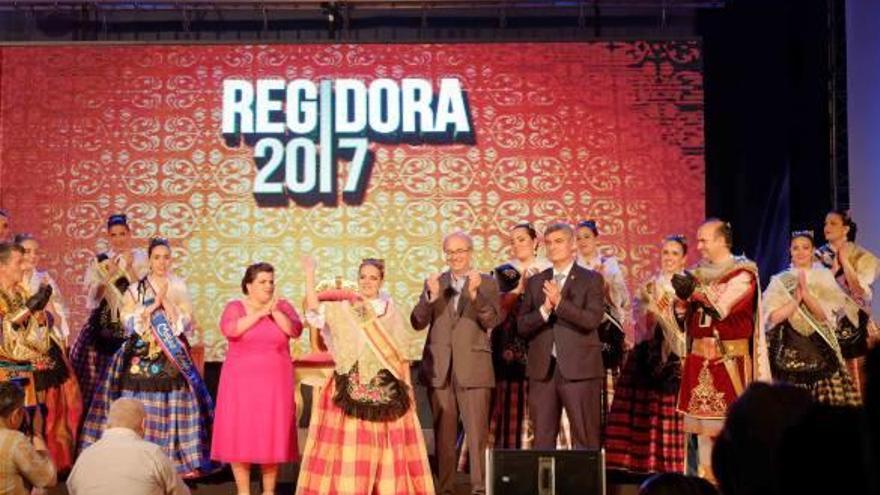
[644, 432]
[63, 415]
[345, 455]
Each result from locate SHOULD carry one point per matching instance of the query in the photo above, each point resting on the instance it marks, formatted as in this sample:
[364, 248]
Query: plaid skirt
[345, 455]
[175, 421]
[644, 432]
[509, 426]
[856, 370]
[836, 390]
[89, 363]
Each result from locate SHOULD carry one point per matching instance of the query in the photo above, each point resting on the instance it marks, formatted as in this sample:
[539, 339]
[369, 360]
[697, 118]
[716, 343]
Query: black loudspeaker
[545, 472]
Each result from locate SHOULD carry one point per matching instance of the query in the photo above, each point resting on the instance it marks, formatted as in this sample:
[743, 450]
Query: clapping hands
[473, 283]
[552, 295]
[433, 283]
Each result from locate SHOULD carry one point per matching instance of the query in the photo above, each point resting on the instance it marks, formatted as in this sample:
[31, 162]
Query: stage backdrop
[476, 137]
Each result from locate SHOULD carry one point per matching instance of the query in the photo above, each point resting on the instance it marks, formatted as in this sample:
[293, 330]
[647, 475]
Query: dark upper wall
[309, 22]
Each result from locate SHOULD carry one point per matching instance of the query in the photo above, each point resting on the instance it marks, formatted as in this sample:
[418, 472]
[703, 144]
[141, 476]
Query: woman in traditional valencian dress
[255, 421]
[855, 269]
[615, 331]
[107, 279]
[508, 427]
[364, 435]
[645, 431]
[154, 366]
[618, 307]
[29, 338]
[33, 278]
[803, 306]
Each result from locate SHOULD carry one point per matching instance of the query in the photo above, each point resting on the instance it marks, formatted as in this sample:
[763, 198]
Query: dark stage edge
[222, 483]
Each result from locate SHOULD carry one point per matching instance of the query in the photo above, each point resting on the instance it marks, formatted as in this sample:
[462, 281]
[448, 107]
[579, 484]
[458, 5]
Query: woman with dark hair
[31, 349]
[33, 278]
[803, 306]
[254, 421]
[153, 366]
[107, 278]
[508, 426]
[56, 386]
[855, 270]
[590, 256]
[364, 435]
[618, 307]
[645, 431]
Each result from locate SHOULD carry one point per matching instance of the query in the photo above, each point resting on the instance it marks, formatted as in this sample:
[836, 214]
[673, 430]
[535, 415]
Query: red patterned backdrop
[606, 130]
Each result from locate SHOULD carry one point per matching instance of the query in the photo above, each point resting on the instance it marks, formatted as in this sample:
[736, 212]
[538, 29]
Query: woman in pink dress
[254, 419]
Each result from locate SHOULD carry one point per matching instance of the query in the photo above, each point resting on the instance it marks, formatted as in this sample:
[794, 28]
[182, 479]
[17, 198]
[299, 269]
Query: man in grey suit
[559, 316]
[461, 307]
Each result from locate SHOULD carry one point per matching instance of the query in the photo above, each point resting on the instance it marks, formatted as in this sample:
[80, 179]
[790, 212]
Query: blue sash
[177, 354]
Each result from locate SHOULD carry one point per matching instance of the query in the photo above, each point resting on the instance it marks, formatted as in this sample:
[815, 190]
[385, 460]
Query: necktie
[458, 286]
[559, 278]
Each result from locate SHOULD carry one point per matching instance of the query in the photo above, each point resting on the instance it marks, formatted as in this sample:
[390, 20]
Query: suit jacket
[459, 338]
[572, 326]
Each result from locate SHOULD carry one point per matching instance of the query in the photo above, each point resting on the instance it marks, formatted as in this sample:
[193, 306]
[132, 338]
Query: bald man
[122, 461]
[726, 346]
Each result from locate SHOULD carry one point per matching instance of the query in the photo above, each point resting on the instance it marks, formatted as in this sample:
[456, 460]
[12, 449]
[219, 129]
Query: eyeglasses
[450, 254]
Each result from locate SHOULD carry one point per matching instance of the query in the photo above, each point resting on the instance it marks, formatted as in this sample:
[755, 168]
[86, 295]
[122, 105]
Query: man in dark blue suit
[559, 317]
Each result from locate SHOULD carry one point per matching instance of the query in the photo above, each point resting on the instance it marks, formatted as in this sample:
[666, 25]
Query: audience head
[523, 242]
[11, 404]
[839, 226]
[371, 274]
[118, 232]
[745, 458]
[673, 253]
[127, 413]
[715, 239]
[458, 248]
[824, 452]
[560, 243]
[258, 282]
[676, 484]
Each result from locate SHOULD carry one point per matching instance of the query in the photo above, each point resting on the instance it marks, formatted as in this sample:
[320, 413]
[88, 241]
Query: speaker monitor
[545, 472]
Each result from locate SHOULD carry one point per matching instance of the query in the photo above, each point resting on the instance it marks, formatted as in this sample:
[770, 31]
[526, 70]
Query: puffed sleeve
[58, 307]
[178, 295]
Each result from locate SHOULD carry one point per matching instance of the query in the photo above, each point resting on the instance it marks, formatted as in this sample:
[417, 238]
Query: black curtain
[767, 124]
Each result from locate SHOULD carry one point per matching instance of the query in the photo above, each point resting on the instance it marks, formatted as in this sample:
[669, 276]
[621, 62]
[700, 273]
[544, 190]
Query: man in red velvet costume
[726, 346]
